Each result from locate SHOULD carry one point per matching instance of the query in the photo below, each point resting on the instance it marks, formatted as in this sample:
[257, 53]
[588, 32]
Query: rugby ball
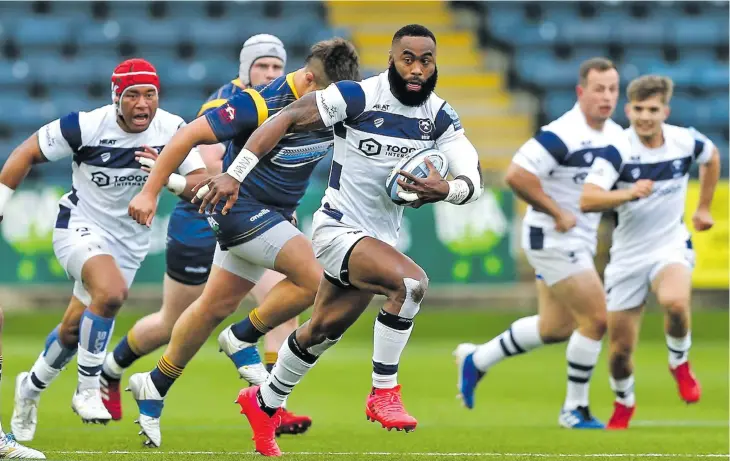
[415, 164]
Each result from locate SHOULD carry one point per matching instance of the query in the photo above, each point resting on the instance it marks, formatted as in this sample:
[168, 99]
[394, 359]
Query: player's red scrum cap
[133, 73]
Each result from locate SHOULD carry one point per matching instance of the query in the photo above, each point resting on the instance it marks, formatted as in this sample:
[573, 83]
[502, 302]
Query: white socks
[678, 349]
[582, 354]
[624, 390]
[522, 336]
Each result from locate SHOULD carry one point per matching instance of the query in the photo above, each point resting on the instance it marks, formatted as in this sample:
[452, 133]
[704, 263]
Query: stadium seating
[56, 57]
[687, 41]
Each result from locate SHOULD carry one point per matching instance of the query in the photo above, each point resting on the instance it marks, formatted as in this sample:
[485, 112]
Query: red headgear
[133, 73]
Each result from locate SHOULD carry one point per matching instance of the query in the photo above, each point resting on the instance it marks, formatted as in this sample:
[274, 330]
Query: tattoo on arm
[304, 114]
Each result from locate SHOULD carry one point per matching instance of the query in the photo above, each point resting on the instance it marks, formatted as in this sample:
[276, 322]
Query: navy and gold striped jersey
[221, 95]
[281, 177]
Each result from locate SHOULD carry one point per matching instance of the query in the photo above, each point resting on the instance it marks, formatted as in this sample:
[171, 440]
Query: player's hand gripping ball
[415, 165]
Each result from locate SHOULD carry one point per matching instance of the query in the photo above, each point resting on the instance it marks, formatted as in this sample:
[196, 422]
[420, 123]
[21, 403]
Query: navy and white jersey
[373, 131]
[561, 155]
[106, 175]
[282, 176]
[655, 222]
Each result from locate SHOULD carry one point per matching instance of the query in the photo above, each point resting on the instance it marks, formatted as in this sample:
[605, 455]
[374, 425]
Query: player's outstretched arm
[175, 152]
[18, 166]
[709, 175]
[300, 116]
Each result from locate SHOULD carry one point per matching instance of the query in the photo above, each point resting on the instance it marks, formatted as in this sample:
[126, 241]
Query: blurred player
[9, 447]
[190, 247]
[355, 230]
[559, 241]
[651, 248]
[94, 239]
[256, 234]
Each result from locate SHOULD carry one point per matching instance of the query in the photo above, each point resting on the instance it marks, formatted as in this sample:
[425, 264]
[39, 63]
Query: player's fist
[142, 208]
[146, 157]
[702, 219]
[432, 188]
[641, 188]
[565, 221]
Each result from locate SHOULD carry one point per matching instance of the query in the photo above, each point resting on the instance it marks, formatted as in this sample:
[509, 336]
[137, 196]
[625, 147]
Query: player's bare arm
[144, 205]
[594, 198]
[18, 166]
[300, 116]
[528, 187]
[709, 175]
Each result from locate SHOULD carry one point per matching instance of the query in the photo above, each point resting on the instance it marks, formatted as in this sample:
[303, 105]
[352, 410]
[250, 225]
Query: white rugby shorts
[333, 242]
[555, 264]
[628, 281]
[76, 240]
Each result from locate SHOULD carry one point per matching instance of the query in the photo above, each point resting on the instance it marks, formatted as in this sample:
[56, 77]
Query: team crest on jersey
[230, 112]
[379, 122]
[106, 156]
[677, 168]
[588, 157]
[425, 125]
[635, 173]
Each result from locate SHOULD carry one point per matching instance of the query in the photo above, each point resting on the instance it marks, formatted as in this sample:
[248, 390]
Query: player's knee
[556, 334]
[110, 299]
[410, 294]
[68, 333]
[676, 306]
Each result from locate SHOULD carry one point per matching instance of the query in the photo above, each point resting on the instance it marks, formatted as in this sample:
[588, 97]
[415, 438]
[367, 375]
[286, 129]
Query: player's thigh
[582, 293]
[626, 284]
[231, 279]
[177, 296]
[672, 285]
[380, 268]
[336, 308]
[556, 321]
[265, 284]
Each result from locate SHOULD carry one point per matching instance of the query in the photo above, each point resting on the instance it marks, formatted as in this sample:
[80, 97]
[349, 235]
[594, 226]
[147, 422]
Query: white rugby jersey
[373, 132]
[561, 155]
[105, 174]
[655, 222]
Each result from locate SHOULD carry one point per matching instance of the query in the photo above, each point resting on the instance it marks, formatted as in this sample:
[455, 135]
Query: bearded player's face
[412, 71]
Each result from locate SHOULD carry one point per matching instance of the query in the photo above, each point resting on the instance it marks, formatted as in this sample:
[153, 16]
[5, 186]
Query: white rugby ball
[415, 164]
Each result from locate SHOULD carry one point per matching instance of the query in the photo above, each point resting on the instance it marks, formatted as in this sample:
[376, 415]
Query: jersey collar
[290, 81]
[238, 83]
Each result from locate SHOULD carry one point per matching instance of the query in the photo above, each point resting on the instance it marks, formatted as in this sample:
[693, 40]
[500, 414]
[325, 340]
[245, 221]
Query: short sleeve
[192, 162]
[703, 147]
[340, 101]
[60, 138]
[541, 154]
[606, 168]
[245, 111]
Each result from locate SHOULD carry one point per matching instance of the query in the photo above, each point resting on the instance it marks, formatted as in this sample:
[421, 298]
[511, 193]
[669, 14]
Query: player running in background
[94, 239]
[651, 249]
[355, 230]
[256, 234]
[191, 245]
[559, 241]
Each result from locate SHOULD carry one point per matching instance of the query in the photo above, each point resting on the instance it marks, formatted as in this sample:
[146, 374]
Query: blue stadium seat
[556, 103]
[706, 31]
[631, 32]
[644, 58]
[99, 33]
[34, 31]
[155, 32]
[595, 32]
[714, 76]
[225, 31]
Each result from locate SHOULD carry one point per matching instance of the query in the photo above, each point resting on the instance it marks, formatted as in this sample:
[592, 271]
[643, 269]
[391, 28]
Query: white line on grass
[375, 453]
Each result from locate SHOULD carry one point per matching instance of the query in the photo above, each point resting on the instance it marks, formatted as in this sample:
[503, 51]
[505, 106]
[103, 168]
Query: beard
[398, 85]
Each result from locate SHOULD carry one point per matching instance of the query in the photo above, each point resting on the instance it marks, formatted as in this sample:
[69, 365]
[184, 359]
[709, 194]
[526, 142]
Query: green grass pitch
[515, 416]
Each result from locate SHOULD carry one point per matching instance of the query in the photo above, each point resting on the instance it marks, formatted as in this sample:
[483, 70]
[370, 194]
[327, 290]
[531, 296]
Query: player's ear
[578, 91]
[667, 111]
[627, 109]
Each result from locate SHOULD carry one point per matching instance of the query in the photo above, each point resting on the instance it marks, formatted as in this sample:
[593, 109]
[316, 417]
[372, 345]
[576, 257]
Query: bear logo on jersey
[370, 147]
[425, 125]
[677, 168]
[635, 173]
